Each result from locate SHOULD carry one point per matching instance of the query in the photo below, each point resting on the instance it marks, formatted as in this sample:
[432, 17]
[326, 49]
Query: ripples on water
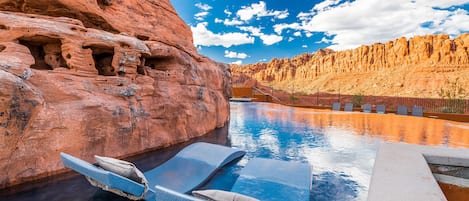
[340, 146]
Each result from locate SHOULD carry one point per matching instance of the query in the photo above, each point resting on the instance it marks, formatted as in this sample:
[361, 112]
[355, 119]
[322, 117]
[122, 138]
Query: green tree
[357, 99]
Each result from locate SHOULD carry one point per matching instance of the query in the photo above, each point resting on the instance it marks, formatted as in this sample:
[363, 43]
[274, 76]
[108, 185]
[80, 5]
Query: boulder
[113, 78]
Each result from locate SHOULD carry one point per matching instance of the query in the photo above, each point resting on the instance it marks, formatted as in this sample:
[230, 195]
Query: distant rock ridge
[418, 66]
[105, 77]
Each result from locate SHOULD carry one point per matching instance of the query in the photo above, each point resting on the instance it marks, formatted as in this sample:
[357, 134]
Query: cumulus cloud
[278, 28]
[200, 16]
[227, 12]
[204, 37]
[304, 46]
[366, 21]
[270, 39]
[232, 22]
[238, 62]
[297, 34]
[202, 6]
[326, 5]
[237, 55]
[257, 10]
[217, 20]
[255, 31]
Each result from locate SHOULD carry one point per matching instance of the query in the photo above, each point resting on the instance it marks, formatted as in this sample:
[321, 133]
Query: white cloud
[204, 37]
[351, 24]
[259, 10]
[237, 55]
[202, 6]
[270, 39]
[278, 28]
[255, 31]
[308, 34]
[297, 34]
[227, 12]
[290, 39]
[304, 46]
[239, 62]
[218, 20]
[325, 5]
[200, 16]
[324, 40]
[232, 22]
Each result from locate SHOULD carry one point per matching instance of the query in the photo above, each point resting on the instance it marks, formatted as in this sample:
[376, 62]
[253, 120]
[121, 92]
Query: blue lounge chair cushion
[367, 108]
[336, 106]
[417, 111]
[380, 109]
[348, 107]
[219, 195]
[268, 179]
[402, 110]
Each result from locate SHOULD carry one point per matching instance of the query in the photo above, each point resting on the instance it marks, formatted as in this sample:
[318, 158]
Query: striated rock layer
[110, 78]
[420, 66]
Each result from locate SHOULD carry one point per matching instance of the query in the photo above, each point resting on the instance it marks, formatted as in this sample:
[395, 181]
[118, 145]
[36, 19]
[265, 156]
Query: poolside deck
[401, 171]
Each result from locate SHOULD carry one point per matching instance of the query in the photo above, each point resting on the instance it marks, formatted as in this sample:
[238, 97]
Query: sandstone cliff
[417, 67]
[102, 77]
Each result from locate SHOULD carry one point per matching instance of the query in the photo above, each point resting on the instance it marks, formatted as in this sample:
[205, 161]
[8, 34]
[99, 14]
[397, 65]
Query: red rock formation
[120, 78]
[415, 67]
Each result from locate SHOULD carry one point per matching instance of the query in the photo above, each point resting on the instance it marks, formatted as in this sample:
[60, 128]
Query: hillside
[415, 67]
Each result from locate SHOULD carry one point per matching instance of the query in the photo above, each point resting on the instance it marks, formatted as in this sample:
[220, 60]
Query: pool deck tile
[401, 171]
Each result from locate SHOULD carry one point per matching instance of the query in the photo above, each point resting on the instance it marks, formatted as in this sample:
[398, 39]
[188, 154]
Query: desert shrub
[454, 95]
[357, 99]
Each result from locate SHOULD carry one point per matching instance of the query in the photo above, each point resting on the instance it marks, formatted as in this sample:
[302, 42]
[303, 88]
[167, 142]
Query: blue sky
[250, 31]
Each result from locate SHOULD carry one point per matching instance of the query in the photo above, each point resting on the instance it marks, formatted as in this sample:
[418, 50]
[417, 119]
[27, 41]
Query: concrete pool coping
[401, 171]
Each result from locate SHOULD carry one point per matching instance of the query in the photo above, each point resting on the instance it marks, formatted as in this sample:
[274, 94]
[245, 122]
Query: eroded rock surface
[110, 78]
[419, 66]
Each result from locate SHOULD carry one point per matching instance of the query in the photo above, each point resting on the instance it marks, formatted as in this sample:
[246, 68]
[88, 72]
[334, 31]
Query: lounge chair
[380, 109]
[402, 110]
[336, 106]
[261, 179]
[417, 111]
[367, 108]
[348, 107]
[184, 172]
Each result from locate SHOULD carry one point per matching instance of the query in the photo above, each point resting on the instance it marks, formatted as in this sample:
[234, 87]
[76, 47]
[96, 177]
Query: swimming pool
[340, 146]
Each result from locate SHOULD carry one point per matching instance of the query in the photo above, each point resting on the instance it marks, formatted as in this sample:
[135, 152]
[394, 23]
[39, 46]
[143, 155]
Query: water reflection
[340, 146]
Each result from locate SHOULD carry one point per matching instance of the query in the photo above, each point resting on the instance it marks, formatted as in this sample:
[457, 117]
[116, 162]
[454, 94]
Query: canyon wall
[417, 67]
[112, 78]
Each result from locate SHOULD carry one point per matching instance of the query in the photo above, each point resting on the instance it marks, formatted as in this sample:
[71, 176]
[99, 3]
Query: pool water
[340, 146]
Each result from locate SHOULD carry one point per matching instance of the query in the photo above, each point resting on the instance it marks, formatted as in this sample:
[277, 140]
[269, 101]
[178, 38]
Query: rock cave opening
[104, 3]
[159, 63]
[46, 51]
[2, 47]
[102, 57]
